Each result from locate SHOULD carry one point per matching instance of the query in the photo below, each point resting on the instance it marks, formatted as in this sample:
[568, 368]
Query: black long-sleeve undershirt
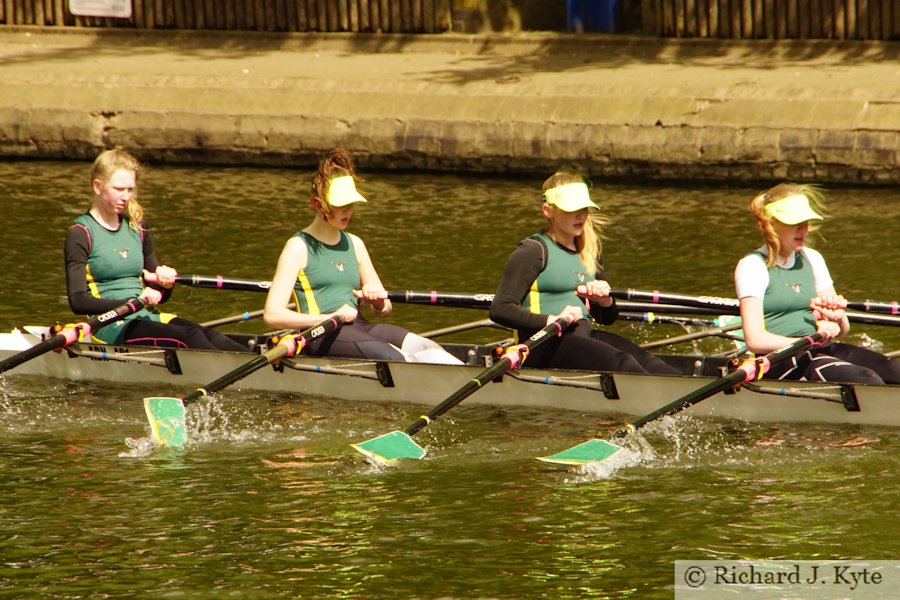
[523, 267]
[77, 250]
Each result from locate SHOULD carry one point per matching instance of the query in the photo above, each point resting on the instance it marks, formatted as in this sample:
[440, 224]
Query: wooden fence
[778, 19]
[394, 16]
[735, 19]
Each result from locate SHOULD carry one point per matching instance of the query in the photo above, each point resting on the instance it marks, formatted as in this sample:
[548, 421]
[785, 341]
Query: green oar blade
[390, 447]
[167, 423]
[587, 452]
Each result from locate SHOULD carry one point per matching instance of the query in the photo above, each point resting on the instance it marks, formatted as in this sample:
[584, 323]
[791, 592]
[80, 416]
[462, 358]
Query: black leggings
[178, 333]
[584, 348]
[361, 339]
[839, 362]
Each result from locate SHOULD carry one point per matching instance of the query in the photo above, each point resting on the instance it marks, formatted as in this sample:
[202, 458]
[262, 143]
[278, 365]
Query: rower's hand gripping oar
[70, 335]
[601, 449]
[397, 444]
[166, 415]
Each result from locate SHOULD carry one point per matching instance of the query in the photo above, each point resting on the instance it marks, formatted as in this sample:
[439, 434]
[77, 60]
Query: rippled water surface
[268, 501]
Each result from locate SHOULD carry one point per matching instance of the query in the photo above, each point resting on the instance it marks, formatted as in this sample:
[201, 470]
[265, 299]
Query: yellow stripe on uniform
[534, 298]
[92, 285]
[308, 294]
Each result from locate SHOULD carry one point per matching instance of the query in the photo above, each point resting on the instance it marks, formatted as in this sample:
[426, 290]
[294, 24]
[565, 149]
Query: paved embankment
[620, 106]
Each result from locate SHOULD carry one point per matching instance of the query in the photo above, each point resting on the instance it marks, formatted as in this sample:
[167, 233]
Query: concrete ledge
[621, 107]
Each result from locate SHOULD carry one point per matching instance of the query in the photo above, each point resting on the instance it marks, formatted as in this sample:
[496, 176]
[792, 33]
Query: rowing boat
[608, 394]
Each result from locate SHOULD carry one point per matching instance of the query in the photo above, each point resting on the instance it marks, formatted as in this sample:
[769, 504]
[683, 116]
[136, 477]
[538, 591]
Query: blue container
[591, 15]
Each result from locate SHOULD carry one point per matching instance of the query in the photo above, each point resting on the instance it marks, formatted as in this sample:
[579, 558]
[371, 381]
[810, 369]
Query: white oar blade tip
[167, 420]
[584, 453]
[390, 447]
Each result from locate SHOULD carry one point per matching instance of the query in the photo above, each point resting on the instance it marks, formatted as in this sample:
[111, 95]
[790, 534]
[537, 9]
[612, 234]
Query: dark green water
[268, 501]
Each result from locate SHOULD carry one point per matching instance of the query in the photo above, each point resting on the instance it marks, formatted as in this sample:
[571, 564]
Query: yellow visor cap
[792, 210]
[342, 191]
[570, 197]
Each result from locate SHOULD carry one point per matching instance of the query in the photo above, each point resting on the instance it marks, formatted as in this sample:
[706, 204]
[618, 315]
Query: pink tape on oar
[290, 342]
[895, 308]
[75, 333]
[655, 296]
[71, 335]
[220, 281]
[755, 369]
[516, 355]
[434, 297]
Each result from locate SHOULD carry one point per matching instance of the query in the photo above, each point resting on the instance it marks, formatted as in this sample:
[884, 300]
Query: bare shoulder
[358, 244]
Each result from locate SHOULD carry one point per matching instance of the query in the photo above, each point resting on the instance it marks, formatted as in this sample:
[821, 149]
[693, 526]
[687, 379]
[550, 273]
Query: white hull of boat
[617, 394]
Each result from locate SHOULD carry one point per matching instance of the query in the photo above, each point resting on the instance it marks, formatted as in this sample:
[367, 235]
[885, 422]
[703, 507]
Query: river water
[272, 503]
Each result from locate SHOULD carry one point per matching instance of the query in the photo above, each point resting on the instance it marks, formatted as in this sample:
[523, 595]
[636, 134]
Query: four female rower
[784, 287]
[786, 292]
[327, 271]
[109, 250]
[559, 272]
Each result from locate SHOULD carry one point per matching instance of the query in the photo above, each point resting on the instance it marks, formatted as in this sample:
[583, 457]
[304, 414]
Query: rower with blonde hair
[786, 292]
[558, 272]
[110, 257]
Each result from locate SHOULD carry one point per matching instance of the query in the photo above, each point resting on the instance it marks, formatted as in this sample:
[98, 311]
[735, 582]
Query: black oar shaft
[224, 283]
[732, 305]
[443, 299]
[874, 319]
[71, 334]
[289, 345]
[511, 359]
[471, 386]
[483, 301]
[657, 297]
[890, 308]
[746, 372]
[222, 382]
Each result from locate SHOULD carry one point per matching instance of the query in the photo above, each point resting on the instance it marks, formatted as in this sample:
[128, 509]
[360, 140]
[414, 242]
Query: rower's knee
[421, 349]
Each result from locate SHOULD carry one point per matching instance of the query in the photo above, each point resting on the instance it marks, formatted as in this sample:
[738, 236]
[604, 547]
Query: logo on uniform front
[340, 266]
[123, 253]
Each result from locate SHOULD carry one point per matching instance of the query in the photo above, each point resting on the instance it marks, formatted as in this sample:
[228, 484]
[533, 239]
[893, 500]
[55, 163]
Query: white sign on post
[120, 9]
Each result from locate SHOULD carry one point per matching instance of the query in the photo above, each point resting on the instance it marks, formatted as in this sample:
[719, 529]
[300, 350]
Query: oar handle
[289, 345]
[511, 359]
[748, 371]
[72, 334]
